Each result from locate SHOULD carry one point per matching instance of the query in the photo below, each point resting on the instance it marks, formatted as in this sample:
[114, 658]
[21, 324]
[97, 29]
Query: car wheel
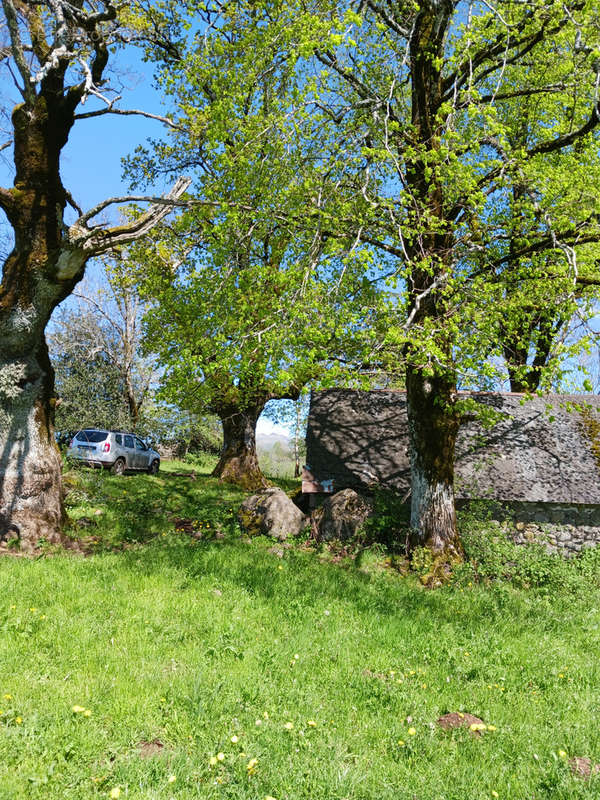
[118, 468]
[154, 466]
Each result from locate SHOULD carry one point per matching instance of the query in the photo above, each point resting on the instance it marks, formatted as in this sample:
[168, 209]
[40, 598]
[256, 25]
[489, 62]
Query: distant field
[165, 666]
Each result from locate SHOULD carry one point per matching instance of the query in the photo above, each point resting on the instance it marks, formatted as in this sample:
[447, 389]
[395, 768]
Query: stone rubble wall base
[559, 526]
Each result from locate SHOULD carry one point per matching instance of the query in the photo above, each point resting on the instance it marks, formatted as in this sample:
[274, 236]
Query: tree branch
[127, 112]
[567, 138]
[98, 241]
[7, 202]
[17, 51]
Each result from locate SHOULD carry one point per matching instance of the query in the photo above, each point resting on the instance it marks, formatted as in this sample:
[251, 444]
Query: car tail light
[106, 448]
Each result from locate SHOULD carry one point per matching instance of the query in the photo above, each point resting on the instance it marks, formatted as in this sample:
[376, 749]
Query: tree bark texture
[433, 427]
[238, 463]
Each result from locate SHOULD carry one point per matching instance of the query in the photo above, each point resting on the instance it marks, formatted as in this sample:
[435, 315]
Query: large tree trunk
[433, 427]
[31, 510]
[238, 463]
[40, 272]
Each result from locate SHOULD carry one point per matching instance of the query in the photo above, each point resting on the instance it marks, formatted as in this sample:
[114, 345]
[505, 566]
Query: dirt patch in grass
[583, 767]
[457, 719]
[150, 749]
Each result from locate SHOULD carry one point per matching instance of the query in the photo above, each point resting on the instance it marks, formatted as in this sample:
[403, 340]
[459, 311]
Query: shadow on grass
[304, 584]
[137, 508]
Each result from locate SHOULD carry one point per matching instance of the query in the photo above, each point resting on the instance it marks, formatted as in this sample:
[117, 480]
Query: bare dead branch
[128, 112]
[17, 50]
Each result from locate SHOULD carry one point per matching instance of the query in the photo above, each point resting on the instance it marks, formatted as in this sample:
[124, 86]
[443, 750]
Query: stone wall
[558, 526]
[539, 461]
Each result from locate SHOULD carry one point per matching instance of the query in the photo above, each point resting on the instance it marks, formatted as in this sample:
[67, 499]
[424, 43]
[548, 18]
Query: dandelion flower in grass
[477, 726]
[19, 720]
[311, 723]
[412, 732]
[265, 715]
[87, 713]
[258, 722]
[562, 754]
[251, 765]
[495, 793]
[115, 793]
[171, 778]
[235, 739]
[288, 726]
[7, 696]
[491, 727]
[77, 709]
[220, 756]
[269, 797]
[212, 761]
[400, 743]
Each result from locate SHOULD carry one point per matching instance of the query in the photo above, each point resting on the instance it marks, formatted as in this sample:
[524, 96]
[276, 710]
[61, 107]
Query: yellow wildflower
[251, 765]
[115, 793]
[235, 739]
[19, 720]
[78, 709]
[562, 754]
[495, 793]
[491, 727]
[288, 726]
[411, 732]
[87, 713]
[477, 726]
[220, 756]
[212, 761]
[311, 723]
[400, 743]
[171, 778]
[8, 696]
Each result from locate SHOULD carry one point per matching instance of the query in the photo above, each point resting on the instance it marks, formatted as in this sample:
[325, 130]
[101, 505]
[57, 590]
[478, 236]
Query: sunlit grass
[214, 668]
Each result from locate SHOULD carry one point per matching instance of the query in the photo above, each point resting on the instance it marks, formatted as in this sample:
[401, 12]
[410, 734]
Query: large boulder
[272, 513]
[342, 515]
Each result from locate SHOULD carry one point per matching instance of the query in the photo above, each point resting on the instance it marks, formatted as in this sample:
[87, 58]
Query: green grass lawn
[214, 668]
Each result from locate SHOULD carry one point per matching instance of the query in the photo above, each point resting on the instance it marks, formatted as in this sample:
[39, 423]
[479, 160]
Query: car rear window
[91, 436]
[118, 438]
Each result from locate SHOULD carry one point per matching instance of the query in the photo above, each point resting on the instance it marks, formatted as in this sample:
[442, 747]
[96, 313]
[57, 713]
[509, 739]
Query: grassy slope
[191, 642]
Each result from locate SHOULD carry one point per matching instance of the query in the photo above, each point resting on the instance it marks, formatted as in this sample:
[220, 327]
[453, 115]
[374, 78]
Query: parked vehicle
[114, 450]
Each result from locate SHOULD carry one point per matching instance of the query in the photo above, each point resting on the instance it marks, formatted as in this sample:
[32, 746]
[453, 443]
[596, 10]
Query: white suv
[114, 450]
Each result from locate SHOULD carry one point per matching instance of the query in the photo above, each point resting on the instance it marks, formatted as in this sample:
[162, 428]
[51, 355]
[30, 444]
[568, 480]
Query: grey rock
[271, 512]
[341, 515]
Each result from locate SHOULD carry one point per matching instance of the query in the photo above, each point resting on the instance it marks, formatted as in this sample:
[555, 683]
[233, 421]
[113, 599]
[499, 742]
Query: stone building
[536, 462]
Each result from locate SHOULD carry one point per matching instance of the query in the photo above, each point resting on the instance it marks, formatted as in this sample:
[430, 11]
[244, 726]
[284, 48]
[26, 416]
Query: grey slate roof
[543, 450]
